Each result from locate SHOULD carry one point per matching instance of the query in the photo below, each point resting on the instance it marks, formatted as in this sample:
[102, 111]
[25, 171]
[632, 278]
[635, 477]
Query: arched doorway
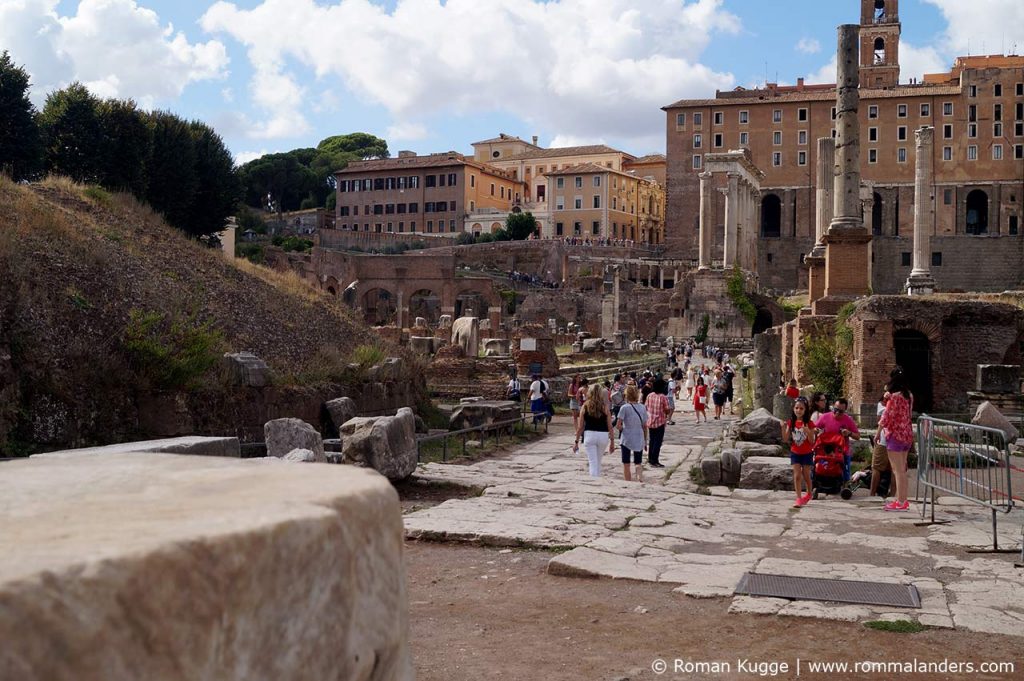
[914, 354]
[379, 307]
[763, 321]
[876, 214]
[427, 304]
[771, 216]
[977, 212]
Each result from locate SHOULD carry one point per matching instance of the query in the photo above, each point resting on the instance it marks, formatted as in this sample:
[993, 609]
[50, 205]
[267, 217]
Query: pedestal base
[815, 275]
[920, 285]
[847, 263]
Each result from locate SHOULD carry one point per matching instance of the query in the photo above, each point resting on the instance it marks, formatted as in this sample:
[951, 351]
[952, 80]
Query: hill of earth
[105, 309]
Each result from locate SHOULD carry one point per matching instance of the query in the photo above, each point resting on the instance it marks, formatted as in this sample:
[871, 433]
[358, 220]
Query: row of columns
[742, 209]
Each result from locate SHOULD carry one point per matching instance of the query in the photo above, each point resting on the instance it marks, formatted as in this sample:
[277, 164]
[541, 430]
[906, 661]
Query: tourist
[838, 421]
[617, 397]
[879, 453]
[700, 400]
[729, 375]
[657, 416]
[719, 387]
[670, 396]
[595, 429]
[632, 424]
[799, 433]
[514, 389]
[818, 405]
[792, 391]
[574, 403]
[539, 406]
[899, 435]
[690, 383]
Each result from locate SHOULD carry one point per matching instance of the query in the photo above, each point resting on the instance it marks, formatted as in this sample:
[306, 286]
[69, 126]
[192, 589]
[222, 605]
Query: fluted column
[704, 239]
[731, 217]
[824, 200]
[921, 281]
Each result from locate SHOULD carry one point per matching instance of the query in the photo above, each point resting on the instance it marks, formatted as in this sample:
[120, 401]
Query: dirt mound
[100, 301]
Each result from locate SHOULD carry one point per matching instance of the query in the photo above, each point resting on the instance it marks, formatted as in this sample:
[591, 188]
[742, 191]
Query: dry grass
[287, 282]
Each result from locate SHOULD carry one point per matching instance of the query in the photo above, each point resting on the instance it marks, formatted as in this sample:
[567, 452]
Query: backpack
[514, 391]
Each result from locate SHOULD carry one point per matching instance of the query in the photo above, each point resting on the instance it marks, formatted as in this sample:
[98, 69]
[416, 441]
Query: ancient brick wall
[969, 263]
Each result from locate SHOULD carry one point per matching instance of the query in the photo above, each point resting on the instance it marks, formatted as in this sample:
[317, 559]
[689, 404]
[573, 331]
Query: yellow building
[590, 201]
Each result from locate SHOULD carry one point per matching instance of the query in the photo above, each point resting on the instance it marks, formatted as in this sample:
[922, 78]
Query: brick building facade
[977, 110]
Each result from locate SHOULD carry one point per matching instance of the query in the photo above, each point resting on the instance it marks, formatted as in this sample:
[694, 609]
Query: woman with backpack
[632, 425]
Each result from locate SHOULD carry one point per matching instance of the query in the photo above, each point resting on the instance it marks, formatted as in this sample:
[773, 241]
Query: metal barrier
[966, 461]
[496, 428]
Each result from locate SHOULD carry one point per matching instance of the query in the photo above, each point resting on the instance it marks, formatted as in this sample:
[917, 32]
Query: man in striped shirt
[657, 408]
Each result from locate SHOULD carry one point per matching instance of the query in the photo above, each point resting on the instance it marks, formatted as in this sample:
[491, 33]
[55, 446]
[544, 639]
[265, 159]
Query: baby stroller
[827, 474]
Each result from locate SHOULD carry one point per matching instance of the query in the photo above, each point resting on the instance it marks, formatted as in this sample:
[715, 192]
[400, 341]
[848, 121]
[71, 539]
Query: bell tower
[879, 43]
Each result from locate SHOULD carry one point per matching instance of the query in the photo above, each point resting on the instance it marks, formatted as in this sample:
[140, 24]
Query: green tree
[359, 144]
[520, 225]
[218, 187]
[73, 134]
[21, 150]
[281, 176]
[173, 181]
[128, 146]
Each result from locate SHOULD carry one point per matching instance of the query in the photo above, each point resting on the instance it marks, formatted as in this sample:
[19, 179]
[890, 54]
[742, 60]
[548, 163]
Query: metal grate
[832, 590]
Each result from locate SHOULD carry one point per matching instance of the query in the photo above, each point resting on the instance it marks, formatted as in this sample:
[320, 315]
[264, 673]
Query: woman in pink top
[899, 435]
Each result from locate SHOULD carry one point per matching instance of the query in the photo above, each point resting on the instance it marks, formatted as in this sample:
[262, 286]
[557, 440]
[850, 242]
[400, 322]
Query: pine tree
[73, 134]
[219, 188]
[128, 146]
[172, 171]
[21, 152]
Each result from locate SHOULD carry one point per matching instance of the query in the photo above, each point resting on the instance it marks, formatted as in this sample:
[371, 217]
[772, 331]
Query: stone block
[999, 378]
[732, 461]
[423, 345]
[125, 567]
[246, 369]
[760, 427]
[593, 345]
[385, 443]
[711, 470]
[191, 445]
[496, 347]
[749, 449]
[990, 417]
[300, 456]
[763, 472]
[341, 410]
[284, 435]
[483, 413]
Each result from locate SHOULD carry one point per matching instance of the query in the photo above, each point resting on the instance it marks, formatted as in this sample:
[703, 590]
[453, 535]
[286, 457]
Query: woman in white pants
[595, 429]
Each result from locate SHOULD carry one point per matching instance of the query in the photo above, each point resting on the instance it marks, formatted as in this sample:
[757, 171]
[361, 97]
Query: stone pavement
[665, 531]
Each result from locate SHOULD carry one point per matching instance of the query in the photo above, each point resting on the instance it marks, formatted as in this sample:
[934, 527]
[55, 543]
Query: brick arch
[931, 330]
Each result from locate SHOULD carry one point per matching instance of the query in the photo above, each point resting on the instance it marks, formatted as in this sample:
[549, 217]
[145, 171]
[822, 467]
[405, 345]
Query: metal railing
[966, 461]
[496, 429]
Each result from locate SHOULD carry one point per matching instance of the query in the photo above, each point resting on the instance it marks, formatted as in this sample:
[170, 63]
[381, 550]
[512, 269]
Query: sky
[428, 76]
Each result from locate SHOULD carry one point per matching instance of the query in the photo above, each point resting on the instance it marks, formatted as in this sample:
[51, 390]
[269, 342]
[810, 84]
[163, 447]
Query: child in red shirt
[792, 392]
[799, 433]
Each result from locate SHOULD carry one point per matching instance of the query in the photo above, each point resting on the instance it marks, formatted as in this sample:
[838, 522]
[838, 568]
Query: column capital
[706, 175]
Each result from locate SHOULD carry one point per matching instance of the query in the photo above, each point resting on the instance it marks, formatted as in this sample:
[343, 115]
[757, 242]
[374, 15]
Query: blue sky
[272, 75]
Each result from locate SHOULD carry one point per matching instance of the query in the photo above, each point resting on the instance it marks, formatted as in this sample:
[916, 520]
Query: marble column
[920, 282]
[731, 218]
[823, 191]
[706, 219]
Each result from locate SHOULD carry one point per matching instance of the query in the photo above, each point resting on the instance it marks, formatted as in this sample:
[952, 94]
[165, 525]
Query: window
[997, 130]
[972, 90]
[492, 189]
[718, 140]
[1019, 109]
[391, 226]
[440, 183]
[901, 133]
[1018, 151]
[579, 182]
[972, 129]
[777, 116]
[997, 112]
[578, 203]
[1013, 225]
[597, 201]
[597, 180]
[378, 209]
[343, 211]
[901, 155]
[872, 155]
[972, 153]
[560, 183]
[431, 181]
[947, 197]
[777, 159]
[905, 259]
[1020, 89]
[401, 208]
[873, 111]
[595, 227]
[696, 162]
[472, 180]
[719, 117]
[401, 227]
[801, 137]
[390, 183]
[744, 117]
[698, 119]
[696, 141]
[972, 112]
[501, 191]
[472, 206]
[414, 182]
[414, 208]
[947, 108]
[997, 152]
[560, 203]
[451, 179]
[801, 158]
[901, 111]
[744, 138]
[412, 226]
[577, 228]
[1018, 129]
[997, 90]
[937, 259]
[428, 207]
[801, 114]
[680, 120]
[451, 225]
[947, 153]
[947, 132]
[389, 209]
[872, 134]
[560, 228]
[926, 110]
[430, 226]
[777, 138]
[833, 113]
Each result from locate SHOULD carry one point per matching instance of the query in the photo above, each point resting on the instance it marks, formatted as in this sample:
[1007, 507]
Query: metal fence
[496, 430]
[966, 461]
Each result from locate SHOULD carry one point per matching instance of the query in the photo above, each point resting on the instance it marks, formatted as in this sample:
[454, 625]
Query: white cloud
[579, 67]
[826, 74]
[115, 47]
[808, 46]
[246, 156]
[981, 26]
[407, 132]
[917, 61]
[563, 140]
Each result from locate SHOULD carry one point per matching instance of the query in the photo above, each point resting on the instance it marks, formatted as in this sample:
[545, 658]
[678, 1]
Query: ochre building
[977, 111]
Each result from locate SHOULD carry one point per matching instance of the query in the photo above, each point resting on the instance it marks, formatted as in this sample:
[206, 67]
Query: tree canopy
[21, 150]
[520, 226]
[73, 133]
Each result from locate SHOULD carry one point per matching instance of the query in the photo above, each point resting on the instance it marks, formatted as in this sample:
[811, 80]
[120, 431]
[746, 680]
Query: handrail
[967, 461]
[496, 427]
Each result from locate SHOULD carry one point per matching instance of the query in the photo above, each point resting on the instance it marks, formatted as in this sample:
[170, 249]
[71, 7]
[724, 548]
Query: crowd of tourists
[531, 279]
[816, 432]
